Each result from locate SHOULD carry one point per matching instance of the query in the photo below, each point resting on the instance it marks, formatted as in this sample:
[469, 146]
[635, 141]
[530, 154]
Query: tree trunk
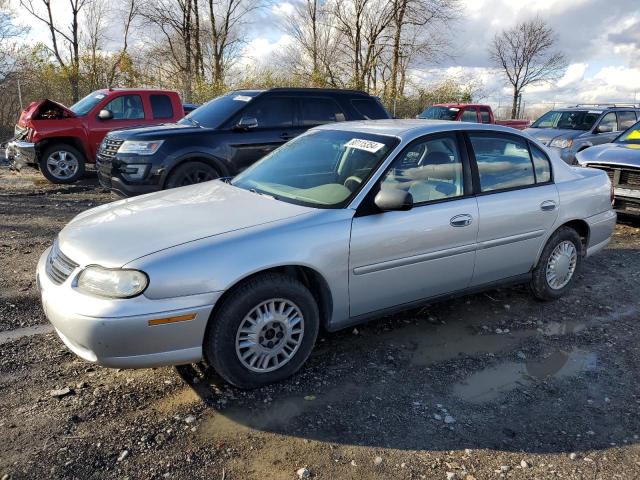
[400, 8]
[514, 105]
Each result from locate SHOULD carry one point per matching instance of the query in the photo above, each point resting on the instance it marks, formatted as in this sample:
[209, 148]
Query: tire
[553, 286]
[190, 173]
[61, 163]
[223, 339]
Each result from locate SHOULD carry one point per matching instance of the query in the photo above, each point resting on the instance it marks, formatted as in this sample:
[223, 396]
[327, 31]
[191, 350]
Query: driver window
[126, 107]
[429, 170]
[271, 112]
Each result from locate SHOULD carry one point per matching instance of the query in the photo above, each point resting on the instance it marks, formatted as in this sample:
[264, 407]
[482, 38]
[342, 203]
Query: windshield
[323, 169]
[630, 136]
[440, 113]
[213, 113]
[85, 105]
[568, 120]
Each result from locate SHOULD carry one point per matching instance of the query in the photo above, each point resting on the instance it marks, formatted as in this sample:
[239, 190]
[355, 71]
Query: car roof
[411, 128]
[460, 105]
[137, 90]
[335, 91]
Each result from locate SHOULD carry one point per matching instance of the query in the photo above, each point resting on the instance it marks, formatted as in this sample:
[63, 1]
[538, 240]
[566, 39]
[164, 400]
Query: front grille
[59, 266]
[104, 167]
[630, 177]
[109, 147]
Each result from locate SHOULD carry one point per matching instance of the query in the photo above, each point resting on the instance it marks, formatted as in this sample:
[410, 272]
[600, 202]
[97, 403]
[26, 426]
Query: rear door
[405, 256]
[316, 111]
[517, 204]
[277, 123]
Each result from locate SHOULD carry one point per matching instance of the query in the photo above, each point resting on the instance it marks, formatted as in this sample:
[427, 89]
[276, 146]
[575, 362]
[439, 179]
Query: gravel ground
[494, 385]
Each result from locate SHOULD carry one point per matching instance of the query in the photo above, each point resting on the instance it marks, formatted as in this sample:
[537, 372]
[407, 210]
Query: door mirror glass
[389, 199]
[105, 114]
[247, 123]
[604, 129]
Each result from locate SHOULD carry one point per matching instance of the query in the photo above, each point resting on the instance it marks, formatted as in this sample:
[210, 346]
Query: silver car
[621, 160]
[569, 131]
[346, 222]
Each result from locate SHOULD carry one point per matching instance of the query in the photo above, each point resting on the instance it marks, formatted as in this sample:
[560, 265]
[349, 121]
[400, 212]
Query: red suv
[60, 140]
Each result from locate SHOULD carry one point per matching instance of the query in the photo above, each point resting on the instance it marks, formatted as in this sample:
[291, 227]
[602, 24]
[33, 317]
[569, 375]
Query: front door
[276, 124]
[127, 110]
[517, 204]
[404, 256]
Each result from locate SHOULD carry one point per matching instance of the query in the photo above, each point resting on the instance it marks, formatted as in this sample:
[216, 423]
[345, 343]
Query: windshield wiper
[253, 190]
[194, 122]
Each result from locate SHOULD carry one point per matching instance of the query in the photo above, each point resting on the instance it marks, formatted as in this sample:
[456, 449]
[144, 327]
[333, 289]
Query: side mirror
[247, 123]
[604, 129]
[105, 115]
[390, 199]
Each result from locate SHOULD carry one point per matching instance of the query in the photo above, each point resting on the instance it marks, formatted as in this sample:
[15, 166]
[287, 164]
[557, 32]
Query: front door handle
[462, 220]
[548, 205]
[286, 136]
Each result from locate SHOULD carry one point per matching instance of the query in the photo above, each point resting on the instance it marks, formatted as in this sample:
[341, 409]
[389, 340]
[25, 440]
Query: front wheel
[264, 331]
[558, 264]
[62, 163]
[190, 173]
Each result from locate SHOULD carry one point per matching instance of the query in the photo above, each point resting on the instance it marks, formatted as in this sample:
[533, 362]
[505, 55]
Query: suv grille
[110, 147]
[58, 266]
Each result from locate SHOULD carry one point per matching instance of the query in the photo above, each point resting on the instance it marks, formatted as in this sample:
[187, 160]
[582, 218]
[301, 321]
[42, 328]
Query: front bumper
[627, 200]
[116, 332]
[21, 153]
[110, 178]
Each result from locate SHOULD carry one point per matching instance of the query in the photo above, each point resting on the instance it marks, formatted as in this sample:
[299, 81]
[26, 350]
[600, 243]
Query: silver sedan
[346, 222]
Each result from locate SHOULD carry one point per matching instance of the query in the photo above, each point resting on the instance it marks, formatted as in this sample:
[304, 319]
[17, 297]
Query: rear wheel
[558, 264]
[190, 173]
[264, 331]
[62, 163]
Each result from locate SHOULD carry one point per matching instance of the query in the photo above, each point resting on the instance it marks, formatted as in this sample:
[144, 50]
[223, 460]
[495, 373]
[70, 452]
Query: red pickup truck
[469, 112]
[60, 140]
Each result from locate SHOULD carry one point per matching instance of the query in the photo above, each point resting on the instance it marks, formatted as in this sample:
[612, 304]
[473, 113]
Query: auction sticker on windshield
[367, 145]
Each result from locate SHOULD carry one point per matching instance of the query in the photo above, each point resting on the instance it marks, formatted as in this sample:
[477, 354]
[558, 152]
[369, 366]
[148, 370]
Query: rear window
[161, 106]
[316, 111]
[484, 115]
[626, 119]
[369, 108]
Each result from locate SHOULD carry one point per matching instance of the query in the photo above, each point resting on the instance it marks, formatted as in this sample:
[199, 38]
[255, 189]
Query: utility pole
[20, 94]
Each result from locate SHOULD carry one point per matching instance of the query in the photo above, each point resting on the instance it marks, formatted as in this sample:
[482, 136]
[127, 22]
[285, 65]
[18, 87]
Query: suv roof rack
[608, 105]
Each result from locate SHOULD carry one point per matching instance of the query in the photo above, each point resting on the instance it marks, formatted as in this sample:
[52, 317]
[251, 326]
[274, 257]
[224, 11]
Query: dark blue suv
[223, 136]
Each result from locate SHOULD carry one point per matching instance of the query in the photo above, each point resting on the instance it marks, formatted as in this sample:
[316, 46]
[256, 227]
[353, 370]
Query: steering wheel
[352, 182]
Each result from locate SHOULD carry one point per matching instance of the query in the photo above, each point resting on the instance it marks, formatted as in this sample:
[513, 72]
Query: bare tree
[132, 11]
[227, 18]
[62, 40]
[417, 31]
[527, 57]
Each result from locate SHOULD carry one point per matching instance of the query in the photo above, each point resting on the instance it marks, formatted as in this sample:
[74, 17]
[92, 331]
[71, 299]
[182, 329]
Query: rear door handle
[548, 205]
[462, 220]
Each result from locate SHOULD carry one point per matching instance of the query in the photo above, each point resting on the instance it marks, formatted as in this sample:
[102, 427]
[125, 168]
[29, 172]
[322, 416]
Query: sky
[599, 38]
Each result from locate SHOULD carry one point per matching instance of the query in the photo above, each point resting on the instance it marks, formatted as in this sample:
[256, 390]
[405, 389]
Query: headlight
[140, 148]
[112, 282]
[134, 171]
[561, 142]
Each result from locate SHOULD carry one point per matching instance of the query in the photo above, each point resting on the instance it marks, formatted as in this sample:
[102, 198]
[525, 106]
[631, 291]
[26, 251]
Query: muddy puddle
[496, 381]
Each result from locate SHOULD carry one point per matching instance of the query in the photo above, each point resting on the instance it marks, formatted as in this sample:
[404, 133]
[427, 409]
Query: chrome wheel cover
[62, 164]
[270, 335]
[562, 264]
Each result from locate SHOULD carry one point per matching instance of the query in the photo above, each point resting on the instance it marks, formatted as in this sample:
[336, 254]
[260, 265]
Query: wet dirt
[473, 386]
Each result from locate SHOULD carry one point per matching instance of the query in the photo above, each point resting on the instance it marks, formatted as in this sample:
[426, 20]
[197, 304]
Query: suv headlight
[112, 282]
[140, 147]
[561, 143]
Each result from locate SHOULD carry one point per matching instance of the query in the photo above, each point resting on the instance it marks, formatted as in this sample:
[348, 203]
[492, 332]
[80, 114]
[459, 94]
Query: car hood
[546, 135]
[611, 154]
[115, 234]
[152, 132]
[35, 109]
